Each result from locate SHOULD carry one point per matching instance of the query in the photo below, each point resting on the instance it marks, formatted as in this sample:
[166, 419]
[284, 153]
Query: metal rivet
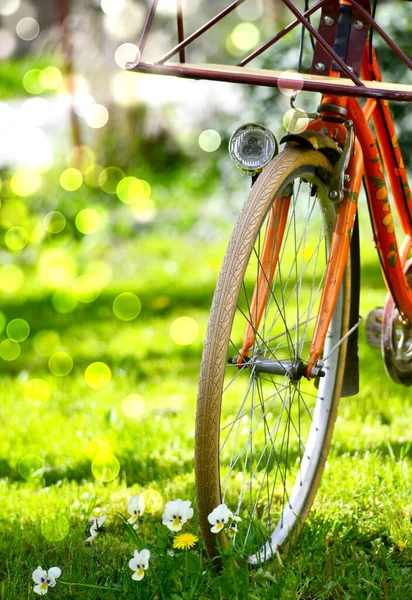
[358, 25]
[320, 67]
[329, 21]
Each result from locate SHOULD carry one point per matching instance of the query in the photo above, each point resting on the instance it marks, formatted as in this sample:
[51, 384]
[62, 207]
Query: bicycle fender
[317, 140]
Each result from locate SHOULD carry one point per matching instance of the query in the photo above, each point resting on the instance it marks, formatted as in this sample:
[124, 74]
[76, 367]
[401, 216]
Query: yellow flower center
[176, 522]
[219, 526]
[43, 585]
[140, 572]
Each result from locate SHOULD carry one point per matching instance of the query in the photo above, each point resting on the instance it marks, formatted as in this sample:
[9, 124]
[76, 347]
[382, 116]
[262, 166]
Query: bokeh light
[11, 279]
[64, 301]
[16, 238]
[51, 78]
[60, 364]
[97, 375]
[36, 110]
[86, 288]
[18, 330]
[245, 36]
[131, 190]
[81, 102]
[71, 179]
[209, 140]
[184, 331]
[31, 467]
[57, 267]
[126, 306]
[9, 7]
[37, 391]
[32, 82]
[88, 221]
[153, 500]
[96, 115]
[27, 29]
[286, 79]
[46, 342]
[105, 467]
[9, 350]
[55, 527]
[54, 222]
[112, 7]
[127, 53]
[133, 406]
[25, 183]
[293, 125]
[110, 178]
[8, 43]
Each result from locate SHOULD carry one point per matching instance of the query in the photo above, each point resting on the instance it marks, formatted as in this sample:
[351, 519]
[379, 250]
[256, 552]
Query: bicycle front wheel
[262, 438]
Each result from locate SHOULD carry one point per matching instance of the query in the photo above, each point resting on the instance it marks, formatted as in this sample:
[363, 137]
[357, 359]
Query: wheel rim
[271, 446]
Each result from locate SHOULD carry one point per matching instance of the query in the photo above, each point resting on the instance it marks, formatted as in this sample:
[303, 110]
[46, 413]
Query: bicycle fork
[339, 249]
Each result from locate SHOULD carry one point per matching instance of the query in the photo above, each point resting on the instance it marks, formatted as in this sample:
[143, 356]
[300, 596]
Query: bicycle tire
[259, 536]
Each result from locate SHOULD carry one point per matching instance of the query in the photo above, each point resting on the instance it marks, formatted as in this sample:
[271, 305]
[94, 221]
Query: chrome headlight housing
[252, 147]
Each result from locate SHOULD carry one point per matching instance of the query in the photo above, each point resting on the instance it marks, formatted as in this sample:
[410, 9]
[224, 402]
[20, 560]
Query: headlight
[252, 146]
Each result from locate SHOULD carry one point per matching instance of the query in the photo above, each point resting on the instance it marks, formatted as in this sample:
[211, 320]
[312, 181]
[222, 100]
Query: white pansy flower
[45, 579]
[95, 527]
[139, 563]
[135, 508]
[176, 513]
[219, 517]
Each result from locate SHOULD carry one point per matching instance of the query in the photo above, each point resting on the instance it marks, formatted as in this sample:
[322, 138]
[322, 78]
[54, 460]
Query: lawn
[59, 440]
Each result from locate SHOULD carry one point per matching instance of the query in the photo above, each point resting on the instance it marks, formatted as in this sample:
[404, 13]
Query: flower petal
[218, 527]
[133, 519]
[101, 520]
[133, 564]
[176, 525]
[38, 574]
[39, 589]
[145, 554]
[54, 572]
[138, 576]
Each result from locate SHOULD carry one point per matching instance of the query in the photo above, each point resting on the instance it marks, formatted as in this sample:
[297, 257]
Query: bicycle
[281, 345]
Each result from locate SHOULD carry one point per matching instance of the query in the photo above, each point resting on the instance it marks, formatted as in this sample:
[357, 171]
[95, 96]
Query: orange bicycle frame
[365, 163]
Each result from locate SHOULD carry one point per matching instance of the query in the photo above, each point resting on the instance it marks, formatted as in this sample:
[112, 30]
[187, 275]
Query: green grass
[357, 543]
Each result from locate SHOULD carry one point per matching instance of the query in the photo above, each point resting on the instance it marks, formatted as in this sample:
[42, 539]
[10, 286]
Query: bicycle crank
[295, 369]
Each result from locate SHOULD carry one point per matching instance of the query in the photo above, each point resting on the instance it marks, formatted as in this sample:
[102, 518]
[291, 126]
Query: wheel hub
[295, 369]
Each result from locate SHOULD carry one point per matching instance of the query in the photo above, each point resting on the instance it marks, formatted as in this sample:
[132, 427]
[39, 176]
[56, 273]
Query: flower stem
[98, 587]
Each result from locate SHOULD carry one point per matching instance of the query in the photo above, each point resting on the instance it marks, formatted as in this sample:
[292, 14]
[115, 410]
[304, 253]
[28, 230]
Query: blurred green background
[117, 201]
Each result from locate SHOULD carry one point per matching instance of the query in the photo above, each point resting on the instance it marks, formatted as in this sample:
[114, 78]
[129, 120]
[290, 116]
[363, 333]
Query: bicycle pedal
[373, 327]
